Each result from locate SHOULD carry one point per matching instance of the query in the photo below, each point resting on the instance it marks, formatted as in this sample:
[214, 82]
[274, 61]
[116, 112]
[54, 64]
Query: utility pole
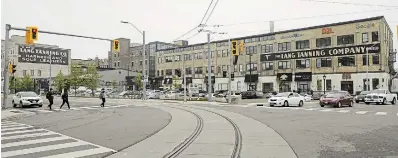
[184, 78]
[5, 70]
[49, 80]
[209, 82]
[229, 70]
[250, 62]
[143, 66]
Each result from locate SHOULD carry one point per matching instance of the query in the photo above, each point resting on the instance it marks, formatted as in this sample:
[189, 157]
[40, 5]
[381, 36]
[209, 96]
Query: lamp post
[144, 58]
[324, 84]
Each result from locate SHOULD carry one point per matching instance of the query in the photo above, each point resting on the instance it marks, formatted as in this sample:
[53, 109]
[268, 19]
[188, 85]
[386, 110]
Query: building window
[115, 63]
[345, 39]
[285, 46]
[284, 65]
[303, 44]
[168, 59]
[177, 72]
[32, 72]
[195, 56]
[324, 62]
[211, 69]
[188, 71]
[268, 66]
[198, 70]
[346, 61]
[365, 37]
[319, 85]
[251, 49]
[240, 68]
[161, 72]
[252, 67]
[24, 72]
[146, 62]
[366, 87]
[118, 64]
[238, 85]
[200, 55]
[268, 48]
[375, 83]
[304, 63]
[375, 59]
[169, 72]
[324, 42]
[219, 53]
[132, 64]
[38, 72]
[157, 74]
[328, 84]
[375, 36]
[224, 53]
[140, 62]
[177, 58]
[364, 59]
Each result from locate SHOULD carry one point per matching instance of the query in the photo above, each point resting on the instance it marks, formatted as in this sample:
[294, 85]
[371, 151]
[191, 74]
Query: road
[309, 131]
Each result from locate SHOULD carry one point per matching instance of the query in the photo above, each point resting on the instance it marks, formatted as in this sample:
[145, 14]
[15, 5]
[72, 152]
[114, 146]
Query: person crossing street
[102, 97]
[65, 99]
[50, 98]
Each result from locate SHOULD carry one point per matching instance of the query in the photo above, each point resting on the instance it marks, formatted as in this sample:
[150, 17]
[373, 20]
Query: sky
[166, 20]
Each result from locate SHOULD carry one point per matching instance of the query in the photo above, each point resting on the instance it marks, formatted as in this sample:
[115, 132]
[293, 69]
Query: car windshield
[28, 94]
[333, 95]
[377, 91]
[283, 94]
[364, 92]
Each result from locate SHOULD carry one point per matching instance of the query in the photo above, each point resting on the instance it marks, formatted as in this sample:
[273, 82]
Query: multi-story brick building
[325, 57]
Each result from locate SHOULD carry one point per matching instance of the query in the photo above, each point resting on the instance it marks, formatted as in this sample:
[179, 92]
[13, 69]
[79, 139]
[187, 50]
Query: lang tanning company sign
[325, 52]
[28, 54]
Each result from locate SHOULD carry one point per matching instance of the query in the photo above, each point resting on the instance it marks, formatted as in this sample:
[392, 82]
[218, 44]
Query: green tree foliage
[26, 83]
[91, 78]
[15, 84]
[114, 85]
[175, 84]
[138, 81]
[74, 78]
[59, 81]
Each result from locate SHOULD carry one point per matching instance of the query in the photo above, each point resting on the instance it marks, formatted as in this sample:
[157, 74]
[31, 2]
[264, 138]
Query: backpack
[101, 95]
[48, 95]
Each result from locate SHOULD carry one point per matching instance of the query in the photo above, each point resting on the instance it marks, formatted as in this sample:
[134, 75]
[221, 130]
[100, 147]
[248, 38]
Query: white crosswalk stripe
[361, 112]
[380, 113]
[343, 111]
[77, 108]
[43, 143]
[326, 110]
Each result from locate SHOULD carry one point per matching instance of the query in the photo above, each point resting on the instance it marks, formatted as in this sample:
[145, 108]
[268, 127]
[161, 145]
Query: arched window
[238, 85]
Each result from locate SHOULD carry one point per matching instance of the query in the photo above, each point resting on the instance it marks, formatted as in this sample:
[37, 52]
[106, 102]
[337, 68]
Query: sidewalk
[14, 113]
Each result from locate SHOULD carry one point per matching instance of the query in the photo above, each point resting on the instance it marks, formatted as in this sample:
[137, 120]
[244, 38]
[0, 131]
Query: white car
[26, 99]
[380, 96]
[286, 99]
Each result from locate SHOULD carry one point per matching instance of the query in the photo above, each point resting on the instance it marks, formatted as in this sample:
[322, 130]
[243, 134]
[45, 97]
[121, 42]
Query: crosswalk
[26, 141]
[41, 110]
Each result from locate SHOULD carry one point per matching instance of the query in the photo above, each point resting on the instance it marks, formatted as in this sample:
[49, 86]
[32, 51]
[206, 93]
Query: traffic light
[242, 46]
[28, 37]
[34, 33]
[116, 46]
[224, 74]
[12, 68]
[235, 50]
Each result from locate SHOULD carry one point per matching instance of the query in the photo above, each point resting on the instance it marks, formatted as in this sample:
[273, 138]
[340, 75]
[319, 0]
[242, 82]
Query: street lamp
[324, 84]
[143, 56]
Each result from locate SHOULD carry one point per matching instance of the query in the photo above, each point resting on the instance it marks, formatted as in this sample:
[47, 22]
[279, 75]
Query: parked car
[381, 96]
[336, 99]
[286, 99]
[26, 99]
[361, 96]
[252, 94]
[316, 96]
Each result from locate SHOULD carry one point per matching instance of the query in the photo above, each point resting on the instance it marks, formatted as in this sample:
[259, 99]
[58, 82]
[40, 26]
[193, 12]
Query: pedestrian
[50, 98]
[65, 99]
[102, 97]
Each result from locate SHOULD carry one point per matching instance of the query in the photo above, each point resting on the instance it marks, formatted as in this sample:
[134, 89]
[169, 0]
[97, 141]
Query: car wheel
[322, 105]
[271, 105]
[357, 101]
[339, 104]
[393, 101]
[367, 103]
[13, 104]
[351, 104]
[384, 101]
[285, 103]
[301, 103]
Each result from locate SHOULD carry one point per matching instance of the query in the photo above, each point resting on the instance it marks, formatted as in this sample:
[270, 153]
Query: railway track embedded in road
[182, 146]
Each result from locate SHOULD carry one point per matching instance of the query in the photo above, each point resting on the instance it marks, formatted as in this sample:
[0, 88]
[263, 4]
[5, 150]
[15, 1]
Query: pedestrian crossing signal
[116, 46]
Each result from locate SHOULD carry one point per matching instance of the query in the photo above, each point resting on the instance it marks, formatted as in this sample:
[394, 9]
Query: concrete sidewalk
[14, 113]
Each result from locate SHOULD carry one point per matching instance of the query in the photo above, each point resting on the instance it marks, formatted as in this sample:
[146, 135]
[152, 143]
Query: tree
[59, 81]
[27, 83]
[91, 78]
[138, 81]
[175, 84]
[114, 84]
[15, 84]
[74, 77]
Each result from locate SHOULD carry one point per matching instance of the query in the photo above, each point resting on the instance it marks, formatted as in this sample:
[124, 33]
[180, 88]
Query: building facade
[338, 56]
[34, 60]
[100, 63]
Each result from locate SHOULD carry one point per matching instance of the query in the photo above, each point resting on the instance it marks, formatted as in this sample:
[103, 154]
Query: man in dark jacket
[102, 97]
[50, 98]
[65, 99]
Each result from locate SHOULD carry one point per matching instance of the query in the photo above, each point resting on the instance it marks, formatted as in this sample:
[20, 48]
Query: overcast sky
[165, 20]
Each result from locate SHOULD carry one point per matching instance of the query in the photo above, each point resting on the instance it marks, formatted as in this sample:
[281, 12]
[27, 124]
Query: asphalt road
[331, 132]
[113, 128]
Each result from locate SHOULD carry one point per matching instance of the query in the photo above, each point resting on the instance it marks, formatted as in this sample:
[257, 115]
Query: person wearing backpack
[65, 99]
[102, 97]
[50, 98]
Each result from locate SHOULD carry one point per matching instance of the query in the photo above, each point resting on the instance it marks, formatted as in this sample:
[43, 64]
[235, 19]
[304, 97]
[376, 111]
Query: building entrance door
[347, 86]
[285, 87]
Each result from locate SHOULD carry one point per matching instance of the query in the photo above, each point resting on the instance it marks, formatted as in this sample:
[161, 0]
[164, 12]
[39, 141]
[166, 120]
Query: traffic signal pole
[229, 70]
[209, 82]
[6, 66]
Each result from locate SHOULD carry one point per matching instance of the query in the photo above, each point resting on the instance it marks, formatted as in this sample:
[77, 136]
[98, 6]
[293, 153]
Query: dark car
[336, 99]
[317, 96]
[361, 96]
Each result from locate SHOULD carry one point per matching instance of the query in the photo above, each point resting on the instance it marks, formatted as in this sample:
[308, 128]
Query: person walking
[102, 97]
[50, 98]
[65, 99]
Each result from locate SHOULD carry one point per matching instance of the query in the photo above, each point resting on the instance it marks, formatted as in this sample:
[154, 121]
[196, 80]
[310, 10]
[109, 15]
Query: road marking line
[40, 149]
[26, 135]
[326, 110]
[397, 114]
[344, 111]
[44, 111]
[17, 128]
[15, 132]
[81, 153]
[33, 141]
[361, 112]
[311, 109]
[97, 106]
[381, 113]
[75, 109]
[88, 108]
[11, 125]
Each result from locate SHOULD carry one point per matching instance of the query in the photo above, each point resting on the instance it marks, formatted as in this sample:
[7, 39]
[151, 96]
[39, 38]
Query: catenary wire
[215, 5]
[348, 3]
[204, 16]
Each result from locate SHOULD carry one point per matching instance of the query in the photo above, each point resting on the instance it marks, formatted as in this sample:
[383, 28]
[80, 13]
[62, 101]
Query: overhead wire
[215, 5]
[360, 4]
[206, 11]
